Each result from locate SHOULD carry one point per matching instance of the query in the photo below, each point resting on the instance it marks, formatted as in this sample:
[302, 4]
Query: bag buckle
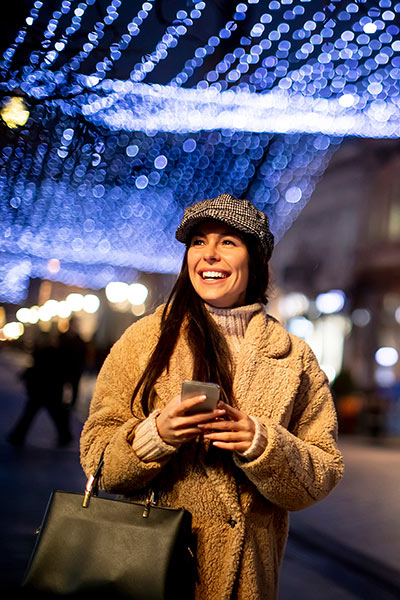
[88, 491]
[151, 501]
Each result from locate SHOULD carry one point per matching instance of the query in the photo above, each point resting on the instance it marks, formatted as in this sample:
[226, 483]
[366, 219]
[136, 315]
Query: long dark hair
[211, 356]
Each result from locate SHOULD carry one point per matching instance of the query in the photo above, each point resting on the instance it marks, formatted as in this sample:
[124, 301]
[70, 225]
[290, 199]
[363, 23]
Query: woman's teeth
[213, 275]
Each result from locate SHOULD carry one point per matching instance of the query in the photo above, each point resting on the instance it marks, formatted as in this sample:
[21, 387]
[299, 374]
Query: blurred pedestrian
[268, 447]
[44, 386]
[73, 356]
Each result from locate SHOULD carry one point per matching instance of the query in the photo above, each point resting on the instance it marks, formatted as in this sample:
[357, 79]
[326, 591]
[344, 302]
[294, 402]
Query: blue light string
[118, 47]
[201, 52]
[262, 77]
[72, 28]
[50, 32]
[169, 40]
[53, 24]
[296, 79]
[232, 75]
[10, 52]
[93, 37]
[225, 33]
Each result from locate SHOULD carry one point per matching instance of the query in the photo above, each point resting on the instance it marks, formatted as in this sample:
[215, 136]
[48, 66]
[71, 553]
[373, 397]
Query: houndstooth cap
[238, 213]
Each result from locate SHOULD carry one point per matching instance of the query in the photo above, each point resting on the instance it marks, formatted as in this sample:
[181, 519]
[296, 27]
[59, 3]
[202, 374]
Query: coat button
[232, 522]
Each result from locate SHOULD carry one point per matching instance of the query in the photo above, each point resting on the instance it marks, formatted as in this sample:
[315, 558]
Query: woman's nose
[211, 252]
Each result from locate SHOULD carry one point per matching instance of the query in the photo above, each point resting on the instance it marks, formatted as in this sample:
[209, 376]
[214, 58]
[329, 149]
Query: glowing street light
[75, 302]
[23, 315]
[386, 356]
[137, 294]
[64, 309]
[14, 112]
[331, 302]
[117, 291]
[91, 303]
[13, 330]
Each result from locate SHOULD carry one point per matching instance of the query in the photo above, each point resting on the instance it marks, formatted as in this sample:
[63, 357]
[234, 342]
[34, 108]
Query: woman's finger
[190, 403]
[185, 435]
[232, 446]
[229, 436]
[222, 426]
[245, 424]
[175, 427]
[201, 419]
[233, 413]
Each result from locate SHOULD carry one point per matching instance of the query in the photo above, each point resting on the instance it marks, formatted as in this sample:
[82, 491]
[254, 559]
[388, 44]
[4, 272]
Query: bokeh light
[137, 293]
[13, 330]
[75, 302]
[361, 317]
[95, 181]
[117, 291]
[330, 302]
[386, 356]
[91, 303]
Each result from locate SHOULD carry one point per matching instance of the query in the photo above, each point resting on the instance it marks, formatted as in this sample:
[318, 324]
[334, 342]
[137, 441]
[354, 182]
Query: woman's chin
[222, 303]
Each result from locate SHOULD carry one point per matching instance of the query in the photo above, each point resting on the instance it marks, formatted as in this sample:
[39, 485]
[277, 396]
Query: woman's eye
[196, 242]
[229, 242]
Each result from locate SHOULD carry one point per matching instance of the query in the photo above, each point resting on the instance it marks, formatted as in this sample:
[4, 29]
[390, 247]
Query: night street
[345, 548]
[207, 191]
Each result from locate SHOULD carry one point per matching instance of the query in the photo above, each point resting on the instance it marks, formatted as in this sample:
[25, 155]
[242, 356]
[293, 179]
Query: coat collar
[267, 336]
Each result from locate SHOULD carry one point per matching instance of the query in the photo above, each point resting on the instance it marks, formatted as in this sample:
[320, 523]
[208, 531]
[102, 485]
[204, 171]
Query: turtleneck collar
[234, 321]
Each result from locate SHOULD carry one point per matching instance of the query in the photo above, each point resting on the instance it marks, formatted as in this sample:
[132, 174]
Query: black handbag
[90, 546]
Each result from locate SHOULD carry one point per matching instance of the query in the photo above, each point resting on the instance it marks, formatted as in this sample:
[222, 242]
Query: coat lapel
[264, 386]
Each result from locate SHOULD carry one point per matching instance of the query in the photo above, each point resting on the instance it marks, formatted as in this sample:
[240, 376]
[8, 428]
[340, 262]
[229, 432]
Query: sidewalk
[344, 548]
[355, 531]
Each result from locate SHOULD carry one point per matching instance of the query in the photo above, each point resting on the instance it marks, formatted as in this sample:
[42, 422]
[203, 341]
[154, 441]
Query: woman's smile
[213, 275]
[218, 264]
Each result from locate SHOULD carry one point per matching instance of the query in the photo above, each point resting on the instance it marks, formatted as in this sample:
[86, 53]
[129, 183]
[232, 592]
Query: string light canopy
[137, 109]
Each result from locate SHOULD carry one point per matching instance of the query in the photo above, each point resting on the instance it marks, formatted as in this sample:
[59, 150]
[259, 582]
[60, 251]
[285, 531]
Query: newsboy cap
[237, 213]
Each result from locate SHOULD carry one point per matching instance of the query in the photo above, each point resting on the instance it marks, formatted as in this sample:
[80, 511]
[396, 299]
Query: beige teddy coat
[239, 508]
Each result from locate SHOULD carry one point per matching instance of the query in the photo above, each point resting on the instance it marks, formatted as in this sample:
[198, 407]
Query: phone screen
[196, 388]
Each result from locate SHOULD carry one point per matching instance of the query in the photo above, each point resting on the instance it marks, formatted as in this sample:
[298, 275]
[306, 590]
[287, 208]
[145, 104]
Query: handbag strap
[92, 489]
[92, 484]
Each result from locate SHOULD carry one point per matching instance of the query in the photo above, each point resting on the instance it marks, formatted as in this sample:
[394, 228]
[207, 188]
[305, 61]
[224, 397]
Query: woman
[269, 447]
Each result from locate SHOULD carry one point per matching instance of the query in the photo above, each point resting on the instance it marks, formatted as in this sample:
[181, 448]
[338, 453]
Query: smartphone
[197, 388]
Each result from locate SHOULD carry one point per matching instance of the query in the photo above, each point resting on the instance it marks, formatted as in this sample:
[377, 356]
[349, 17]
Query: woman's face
[218, 264]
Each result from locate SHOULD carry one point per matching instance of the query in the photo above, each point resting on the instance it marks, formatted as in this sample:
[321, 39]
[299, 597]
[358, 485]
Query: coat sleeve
[111, 423]
[300, 465]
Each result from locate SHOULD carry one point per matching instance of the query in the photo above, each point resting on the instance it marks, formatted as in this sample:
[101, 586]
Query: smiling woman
[218, 264]
[270, 444]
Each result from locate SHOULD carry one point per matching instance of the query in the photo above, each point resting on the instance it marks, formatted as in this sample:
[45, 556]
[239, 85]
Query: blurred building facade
[348, 239]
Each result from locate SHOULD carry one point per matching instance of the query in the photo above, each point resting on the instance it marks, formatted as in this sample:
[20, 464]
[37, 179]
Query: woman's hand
[236, 433]
[175, 428]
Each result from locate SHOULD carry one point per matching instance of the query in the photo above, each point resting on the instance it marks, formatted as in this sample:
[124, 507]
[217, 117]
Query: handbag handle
[92, 484]
[92, 487]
